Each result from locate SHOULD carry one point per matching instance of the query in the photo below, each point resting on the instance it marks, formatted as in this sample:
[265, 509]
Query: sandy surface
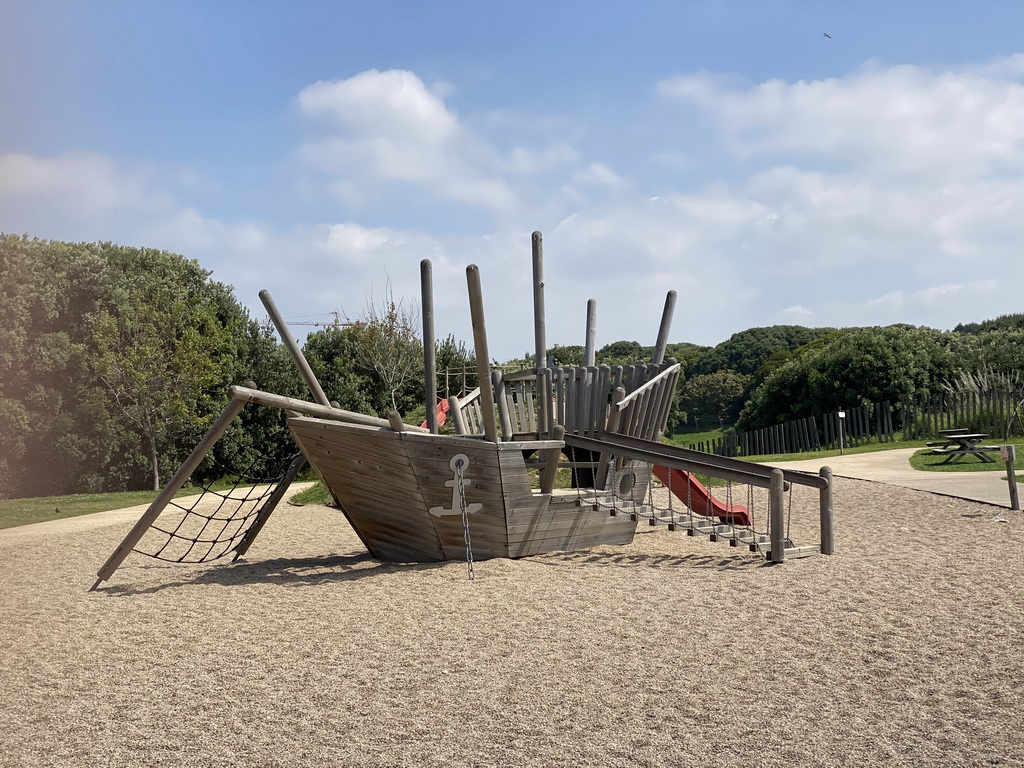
[903, 649]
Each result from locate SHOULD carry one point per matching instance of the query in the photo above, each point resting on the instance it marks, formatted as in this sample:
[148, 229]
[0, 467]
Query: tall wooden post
[589, 355]
[544, 419]
[664, 328]
[293, 349]
[483, 364]
[429, 361]
[777, 516]
[827, 534]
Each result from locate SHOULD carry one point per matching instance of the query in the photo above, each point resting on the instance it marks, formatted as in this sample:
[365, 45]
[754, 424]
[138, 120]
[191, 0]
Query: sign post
[842, 428]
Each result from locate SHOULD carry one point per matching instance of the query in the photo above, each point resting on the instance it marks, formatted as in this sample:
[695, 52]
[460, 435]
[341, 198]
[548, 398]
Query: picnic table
[957, 444]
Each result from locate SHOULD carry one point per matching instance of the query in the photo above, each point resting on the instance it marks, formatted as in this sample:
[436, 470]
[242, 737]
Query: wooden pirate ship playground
[412, 494]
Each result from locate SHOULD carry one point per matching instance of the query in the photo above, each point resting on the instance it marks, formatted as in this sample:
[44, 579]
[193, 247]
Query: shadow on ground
[284, 571]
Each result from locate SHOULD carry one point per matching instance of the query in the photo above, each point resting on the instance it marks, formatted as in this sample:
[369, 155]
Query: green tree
[389, 346]
[572, 354]
[160, 351]
[68, 310]
[748, 350]
[622, 353]
[857, 366]
[717, 395]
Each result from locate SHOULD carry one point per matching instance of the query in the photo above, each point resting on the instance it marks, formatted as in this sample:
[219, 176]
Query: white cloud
[797, 309]
[903, 120]
[598, 174]
[938, 306]
[388, 126]
[81, 185]
[889, 195]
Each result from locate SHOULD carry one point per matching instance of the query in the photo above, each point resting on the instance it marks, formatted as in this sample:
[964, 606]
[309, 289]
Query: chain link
[459, 468]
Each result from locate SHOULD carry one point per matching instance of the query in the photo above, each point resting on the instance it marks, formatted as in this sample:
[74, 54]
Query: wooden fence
[858, 426]
[995, 413]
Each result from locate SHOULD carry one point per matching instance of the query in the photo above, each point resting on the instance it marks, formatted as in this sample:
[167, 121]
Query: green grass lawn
[870, 448]
[926, 461]
[14, 512]
[684, 439]
[317, 493]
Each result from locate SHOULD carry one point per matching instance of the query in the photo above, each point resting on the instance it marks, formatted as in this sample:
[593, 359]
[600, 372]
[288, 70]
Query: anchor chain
[459, 476]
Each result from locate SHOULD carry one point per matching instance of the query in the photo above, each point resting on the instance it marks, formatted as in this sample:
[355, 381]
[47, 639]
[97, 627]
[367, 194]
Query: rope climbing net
[215, 522]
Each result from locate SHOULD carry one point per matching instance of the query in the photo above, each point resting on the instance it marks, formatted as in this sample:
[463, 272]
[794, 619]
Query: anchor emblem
[458, 464]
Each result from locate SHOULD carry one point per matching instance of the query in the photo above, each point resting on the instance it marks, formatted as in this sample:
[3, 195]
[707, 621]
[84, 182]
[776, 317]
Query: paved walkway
[893, 467]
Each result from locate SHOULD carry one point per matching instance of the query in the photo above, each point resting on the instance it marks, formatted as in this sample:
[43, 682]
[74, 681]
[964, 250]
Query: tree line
[114, 360]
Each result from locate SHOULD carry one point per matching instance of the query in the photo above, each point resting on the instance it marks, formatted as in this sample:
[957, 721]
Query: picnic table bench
[959, 443]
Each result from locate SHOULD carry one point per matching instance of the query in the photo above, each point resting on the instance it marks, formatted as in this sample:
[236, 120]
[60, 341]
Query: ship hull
[398, 490]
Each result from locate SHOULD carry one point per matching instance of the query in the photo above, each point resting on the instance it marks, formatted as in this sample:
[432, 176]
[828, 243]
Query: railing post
[777, 516]
[827, 534]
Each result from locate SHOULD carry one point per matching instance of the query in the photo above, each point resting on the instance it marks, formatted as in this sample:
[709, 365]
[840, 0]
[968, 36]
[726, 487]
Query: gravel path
[904, 649]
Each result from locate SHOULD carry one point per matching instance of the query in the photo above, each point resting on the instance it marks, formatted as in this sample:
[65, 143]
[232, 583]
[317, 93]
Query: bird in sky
[826, 34]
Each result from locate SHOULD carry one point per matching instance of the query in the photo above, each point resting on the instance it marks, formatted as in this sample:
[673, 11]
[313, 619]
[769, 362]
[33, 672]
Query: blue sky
[727, 150]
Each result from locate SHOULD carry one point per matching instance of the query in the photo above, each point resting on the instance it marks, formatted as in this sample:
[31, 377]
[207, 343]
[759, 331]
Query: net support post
[827, 534]
[219, 427]
[777, 516]
[271, 504]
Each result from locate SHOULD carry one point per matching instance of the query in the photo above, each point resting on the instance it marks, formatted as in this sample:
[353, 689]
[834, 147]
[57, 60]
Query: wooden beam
[252, 395]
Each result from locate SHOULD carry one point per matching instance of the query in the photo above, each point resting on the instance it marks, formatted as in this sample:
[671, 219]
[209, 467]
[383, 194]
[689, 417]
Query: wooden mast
[589, 354]
[483, 366]
[429, 361]
[544, 420]
[666, 324]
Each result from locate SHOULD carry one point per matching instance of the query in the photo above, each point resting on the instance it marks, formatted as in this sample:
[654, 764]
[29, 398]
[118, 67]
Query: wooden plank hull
[399, 492]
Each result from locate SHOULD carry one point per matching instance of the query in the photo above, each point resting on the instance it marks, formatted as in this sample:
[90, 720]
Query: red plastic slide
[686, 486]
[442, 414]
